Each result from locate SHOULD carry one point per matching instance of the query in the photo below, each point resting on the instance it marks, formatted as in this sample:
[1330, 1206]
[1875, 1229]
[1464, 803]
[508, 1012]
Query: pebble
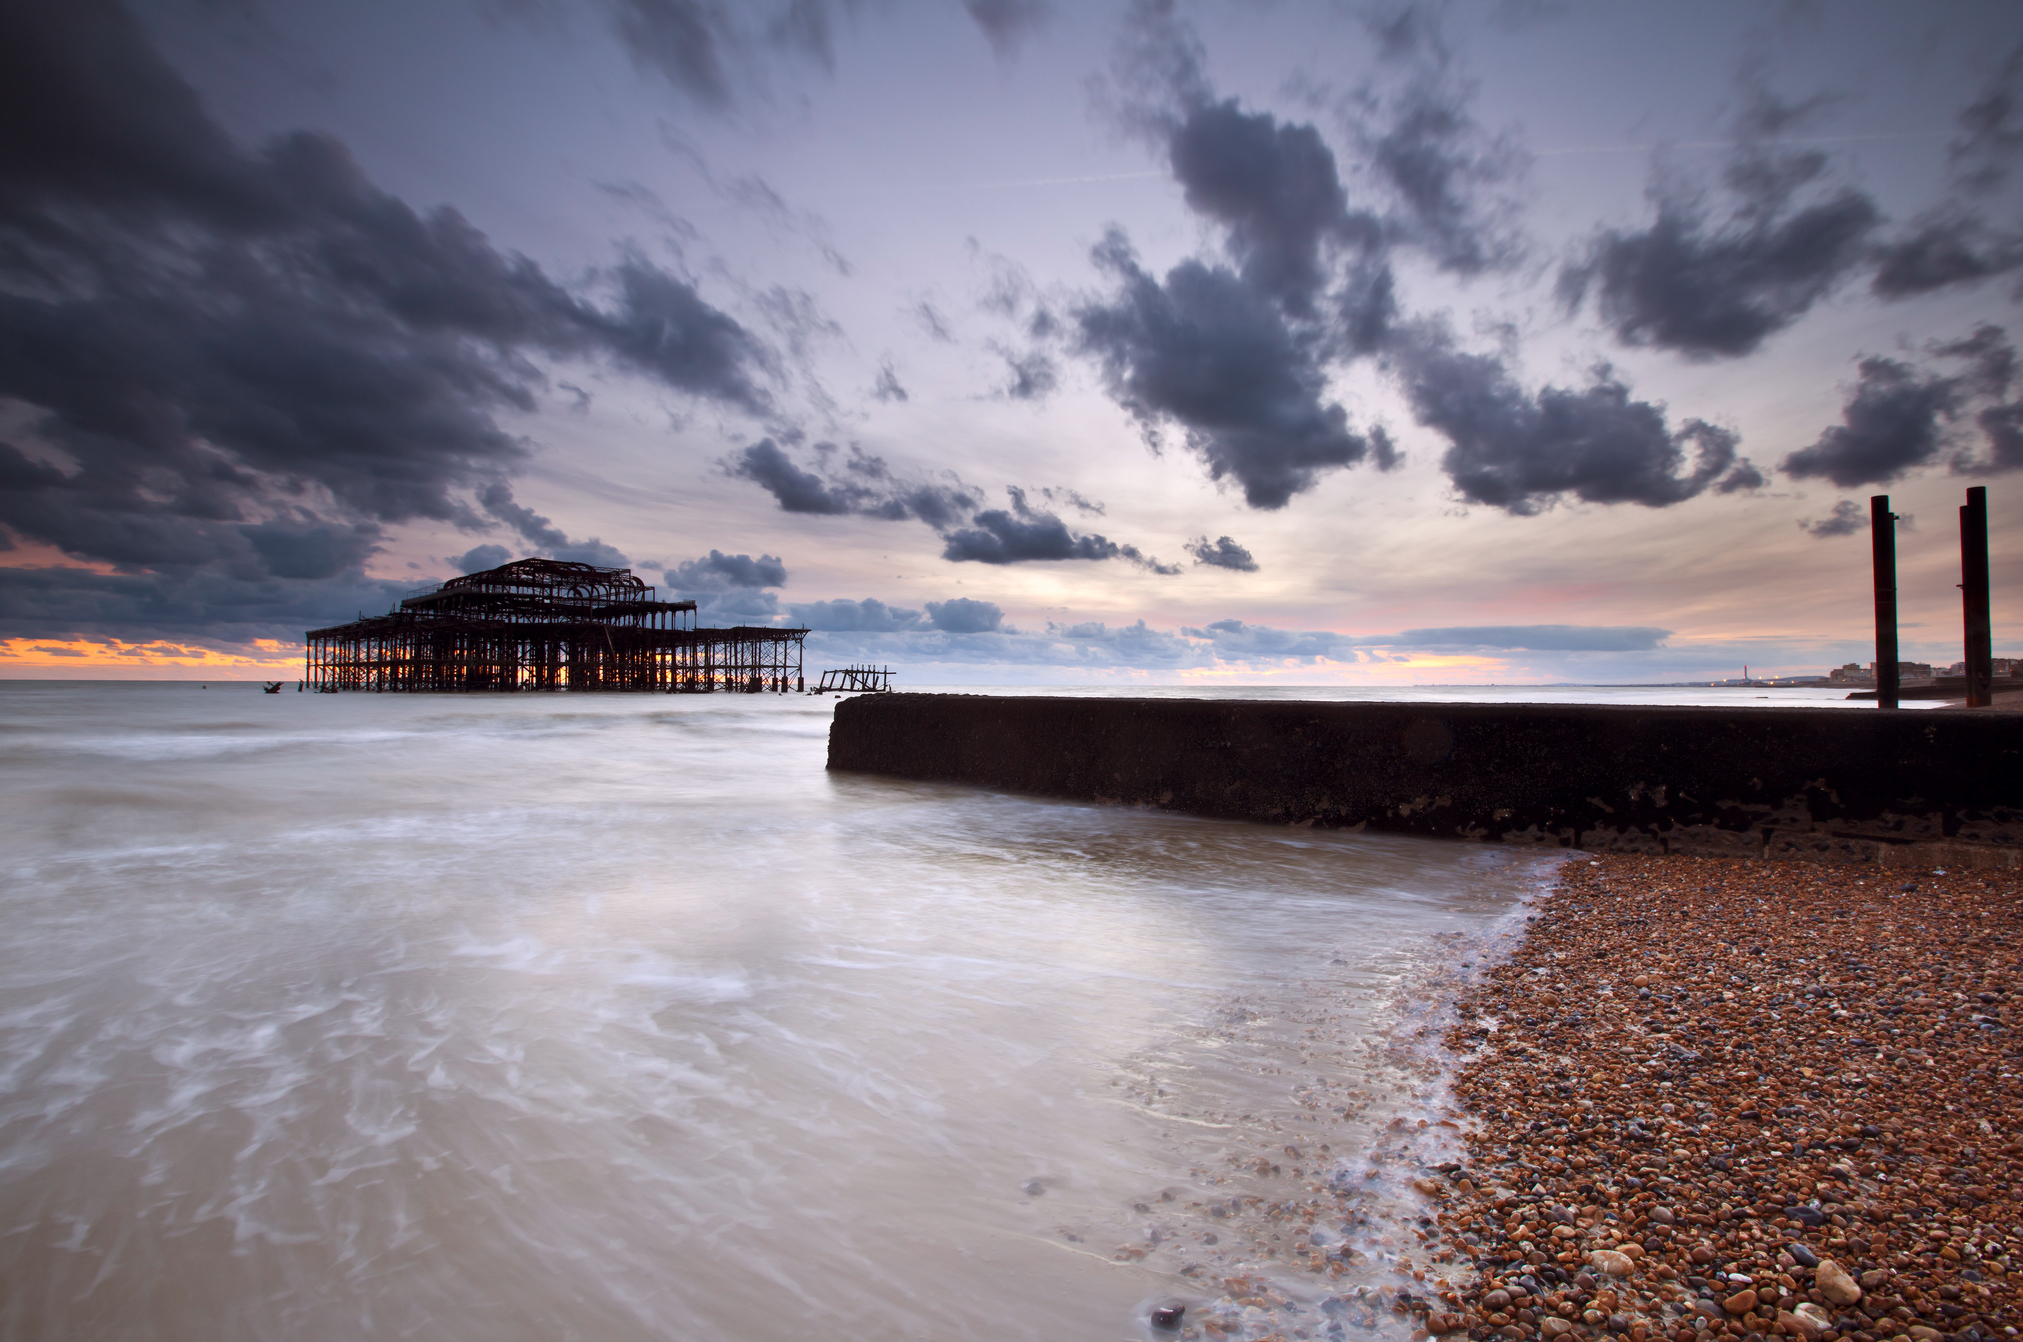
[1791, 1073]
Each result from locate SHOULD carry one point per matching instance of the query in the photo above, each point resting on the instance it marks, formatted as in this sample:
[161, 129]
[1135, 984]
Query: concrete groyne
[1823, 784]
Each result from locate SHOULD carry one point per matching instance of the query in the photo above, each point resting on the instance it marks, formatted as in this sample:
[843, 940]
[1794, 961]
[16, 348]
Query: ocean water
[613, 1017]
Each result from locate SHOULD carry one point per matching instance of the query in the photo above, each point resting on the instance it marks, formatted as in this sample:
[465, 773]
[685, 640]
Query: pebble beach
[1698, 1100]
[1717, 1097]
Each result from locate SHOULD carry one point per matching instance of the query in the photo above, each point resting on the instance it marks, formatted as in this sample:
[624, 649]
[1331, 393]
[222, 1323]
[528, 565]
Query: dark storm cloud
[1714, 287]
[1846, 519]
[1900, 417]
[1207, 350]
[1007, 23]
[188, 604]
[1420, 142]
[1891, 424]
[251, 360]
[1522, 451]
[1954, 247]
[961, 615]
[1222, 552]
[851, 482]
[1274, 188]
[1024, 534]
[1238, 356]
[1955, 243]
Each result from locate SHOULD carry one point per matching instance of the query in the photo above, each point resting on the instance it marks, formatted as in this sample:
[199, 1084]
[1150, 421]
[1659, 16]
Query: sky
[1015, 341]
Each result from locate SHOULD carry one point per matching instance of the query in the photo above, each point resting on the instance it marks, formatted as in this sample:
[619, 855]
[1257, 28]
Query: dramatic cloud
[729, 589]
[1949, 248]
[1222, 552]
[1024, 534]
[851, 482]
[719, 572]
[1274, 187]
[1239, 356]
[1209, 351]
[1890, 425]
[253, 360]
[1846, 519]
[960, 615]
[1955, 244]
[1712, 288]
[1521, 451]
[1421, 142]
[1899, 418]
[193, 605]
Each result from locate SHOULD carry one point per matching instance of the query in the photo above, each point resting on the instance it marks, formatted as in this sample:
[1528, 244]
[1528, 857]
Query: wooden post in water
[1974, 598]
[1883, 535]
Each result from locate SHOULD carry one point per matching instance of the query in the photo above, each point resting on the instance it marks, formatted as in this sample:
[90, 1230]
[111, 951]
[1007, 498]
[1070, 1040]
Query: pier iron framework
[546, 624]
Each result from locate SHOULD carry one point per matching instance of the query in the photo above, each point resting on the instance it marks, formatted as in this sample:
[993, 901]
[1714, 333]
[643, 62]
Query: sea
[608, 1017]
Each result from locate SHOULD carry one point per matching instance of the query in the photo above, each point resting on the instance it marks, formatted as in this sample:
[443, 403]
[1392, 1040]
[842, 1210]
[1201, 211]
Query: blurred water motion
[542, 1017]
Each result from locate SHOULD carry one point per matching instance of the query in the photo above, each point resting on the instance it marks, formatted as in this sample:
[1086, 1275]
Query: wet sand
[1718, 1097]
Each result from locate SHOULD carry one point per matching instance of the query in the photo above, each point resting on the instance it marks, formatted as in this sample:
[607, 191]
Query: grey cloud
[1712, 289]
[1235, 640]
[545, 538]
[302, 358]
[961, 615]
[1222, 552]
[870, 616]
[1024, 534]
[1033, 375]
[719, 572]
[1522, 451]
[204, 606]
[1899, 417]
[1991, 129]
[714, 53]
[1891, 424]
[1955, 244]
[887, 387]
[1007, 23]
[481, 557]
[1207, 350]
[1274, 187]
[1423, 145]
[1944, 250]
[1846, 519]
[853, 482]
[932, 322]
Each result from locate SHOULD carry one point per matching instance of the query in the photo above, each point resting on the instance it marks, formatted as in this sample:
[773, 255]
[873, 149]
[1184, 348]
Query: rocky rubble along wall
[1819, 784]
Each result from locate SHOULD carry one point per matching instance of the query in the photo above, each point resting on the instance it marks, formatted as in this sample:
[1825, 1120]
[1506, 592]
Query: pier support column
[1883, 536]
[1974, 598]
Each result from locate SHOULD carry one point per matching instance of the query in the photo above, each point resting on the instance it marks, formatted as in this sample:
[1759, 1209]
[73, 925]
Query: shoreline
[1719, 1097]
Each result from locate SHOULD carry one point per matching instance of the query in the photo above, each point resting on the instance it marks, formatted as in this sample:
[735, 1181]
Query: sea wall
[1826, 784]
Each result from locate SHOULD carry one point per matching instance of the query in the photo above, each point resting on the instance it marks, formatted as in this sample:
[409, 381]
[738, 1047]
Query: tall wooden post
[1974, 598]
[1883, 535]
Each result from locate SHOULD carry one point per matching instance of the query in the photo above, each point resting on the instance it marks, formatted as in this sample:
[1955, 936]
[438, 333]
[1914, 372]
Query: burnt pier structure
[546, 624]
